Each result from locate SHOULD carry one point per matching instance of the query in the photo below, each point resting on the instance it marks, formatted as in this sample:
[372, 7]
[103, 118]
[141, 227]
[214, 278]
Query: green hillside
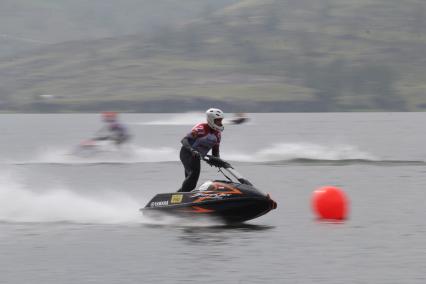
[256, 55]
[28, 24]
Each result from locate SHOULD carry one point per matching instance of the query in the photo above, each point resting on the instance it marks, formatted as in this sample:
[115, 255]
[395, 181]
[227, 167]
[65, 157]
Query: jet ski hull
[230, 211]
[228, 202]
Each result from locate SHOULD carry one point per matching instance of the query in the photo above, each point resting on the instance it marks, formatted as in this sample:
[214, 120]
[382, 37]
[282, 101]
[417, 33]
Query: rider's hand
[214, 161]
[196, 154]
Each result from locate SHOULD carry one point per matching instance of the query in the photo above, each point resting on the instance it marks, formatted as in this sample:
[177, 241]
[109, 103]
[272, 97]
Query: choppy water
[65, 219]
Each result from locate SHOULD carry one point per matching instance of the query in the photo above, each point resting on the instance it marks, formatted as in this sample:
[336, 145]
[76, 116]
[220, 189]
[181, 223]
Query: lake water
[65, 219]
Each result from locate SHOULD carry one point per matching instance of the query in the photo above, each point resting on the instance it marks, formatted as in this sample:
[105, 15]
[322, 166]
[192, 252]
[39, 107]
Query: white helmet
[212, 114]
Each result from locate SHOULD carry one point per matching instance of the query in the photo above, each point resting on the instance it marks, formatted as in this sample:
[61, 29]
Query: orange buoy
[330, 202]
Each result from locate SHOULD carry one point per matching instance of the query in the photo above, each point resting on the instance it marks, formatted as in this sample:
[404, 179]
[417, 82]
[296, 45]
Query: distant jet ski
[239, 118]
[109, 139]
[230, 201]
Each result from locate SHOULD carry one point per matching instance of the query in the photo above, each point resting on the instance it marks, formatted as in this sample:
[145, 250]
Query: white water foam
[131, 154]
[175, 221]
[20, 204]
[190, 118]
[275, 152]
[293, 151]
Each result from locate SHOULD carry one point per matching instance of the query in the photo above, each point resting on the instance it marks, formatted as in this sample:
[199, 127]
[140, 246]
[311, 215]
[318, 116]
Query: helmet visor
[218, 121]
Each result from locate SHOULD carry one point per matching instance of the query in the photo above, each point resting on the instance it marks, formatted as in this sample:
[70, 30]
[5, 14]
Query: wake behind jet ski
[94, 148]
[232, 200]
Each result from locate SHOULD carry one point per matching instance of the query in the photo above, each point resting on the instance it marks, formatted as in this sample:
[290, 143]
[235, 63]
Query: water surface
[66, 219]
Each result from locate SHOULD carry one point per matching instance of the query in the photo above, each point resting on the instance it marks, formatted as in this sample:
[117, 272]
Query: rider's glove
[196, 154]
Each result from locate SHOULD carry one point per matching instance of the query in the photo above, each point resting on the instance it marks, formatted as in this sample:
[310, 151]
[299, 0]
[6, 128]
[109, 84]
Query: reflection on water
[223, 234]
[211, 234]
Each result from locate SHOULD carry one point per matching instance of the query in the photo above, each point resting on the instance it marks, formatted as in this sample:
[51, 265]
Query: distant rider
[113, 130]
[196, 144]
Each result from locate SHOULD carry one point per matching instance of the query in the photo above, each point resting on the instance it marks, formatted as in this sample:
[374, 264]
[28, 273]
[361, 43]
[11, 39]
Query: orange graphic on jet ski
[197, 209]
[219, 190]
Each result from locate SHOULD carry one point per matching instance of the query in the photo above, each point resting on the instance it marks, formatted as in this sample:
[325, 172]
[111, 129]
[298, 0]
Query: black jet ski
[239, 118]
[232, 201]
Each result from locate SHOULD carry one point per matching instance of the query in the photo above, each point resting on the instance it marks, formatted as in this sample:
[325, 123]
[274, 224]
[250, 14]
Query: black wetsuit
[195, 145]
[192, 167]
[115, 132]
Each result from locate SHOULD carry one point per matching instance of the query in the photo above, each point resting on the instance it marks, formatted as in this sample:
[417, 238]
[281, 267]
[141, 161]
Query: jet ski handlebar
[216, 162]
[219, 163]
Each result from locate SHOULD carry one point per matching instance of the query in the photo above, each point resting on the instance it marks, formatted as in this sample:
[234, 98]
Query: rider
[112, 130]
[196, 144]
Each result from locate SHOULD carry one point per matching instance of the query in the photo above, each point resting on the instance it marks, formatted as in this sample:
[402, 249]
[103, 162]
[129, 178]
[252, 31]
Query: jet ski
[95, 147]
[239, 118]
[233, 200]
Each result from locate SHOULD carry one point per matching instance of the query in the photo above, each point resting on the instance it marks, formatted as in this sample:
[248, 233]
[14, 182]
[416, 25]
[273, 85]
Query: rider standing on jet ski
[113, 130]
[202, 138]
